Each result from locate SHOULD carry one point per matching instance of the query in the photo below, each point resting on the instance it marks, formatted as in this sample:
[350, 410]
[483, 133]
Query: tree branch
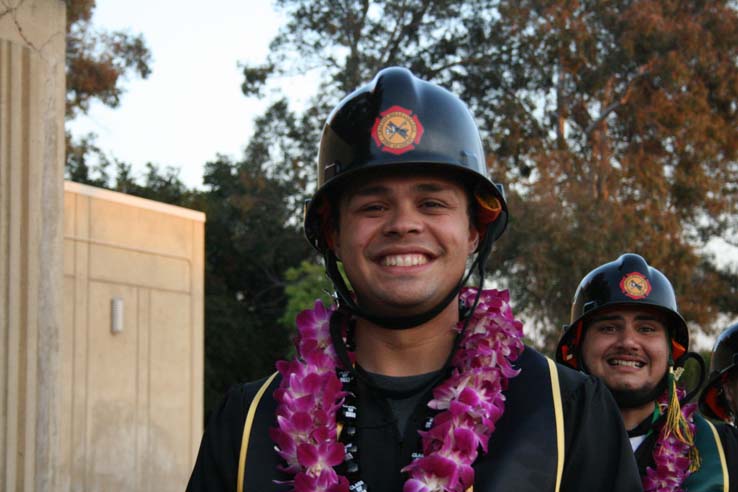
[393, 44]
[643, 71]
[560, 105]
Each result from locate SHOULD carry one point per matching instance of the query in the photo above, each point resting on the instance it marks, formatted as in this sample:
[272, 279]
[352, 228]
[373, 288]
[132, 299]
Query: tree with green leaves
[613, 125]
[249, 248]
[305, 284]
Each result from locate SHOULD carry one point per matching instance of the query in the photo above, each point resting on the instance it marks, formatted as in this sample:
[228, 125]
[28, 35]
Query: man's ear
[473, 240]
[335, 243]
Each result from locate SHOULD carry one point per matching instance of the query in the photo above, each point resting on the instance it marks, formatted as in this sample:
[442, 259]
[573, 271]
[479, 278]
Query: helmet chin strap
[347, 302]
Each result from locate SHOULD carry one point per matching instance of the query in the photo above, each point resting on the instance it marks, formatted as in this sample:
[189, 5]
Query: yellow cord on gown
[676, 423]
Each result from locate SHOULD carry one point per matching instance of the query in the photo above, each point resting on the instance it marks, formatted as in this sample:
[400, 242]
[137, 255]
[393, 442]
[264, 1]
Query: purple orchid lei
[671, 455]
[470, 401]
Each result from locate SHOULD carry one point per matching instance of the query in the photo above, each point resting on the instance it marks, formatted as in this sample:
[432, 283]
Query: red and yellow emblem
[635, 285]
[397, 130]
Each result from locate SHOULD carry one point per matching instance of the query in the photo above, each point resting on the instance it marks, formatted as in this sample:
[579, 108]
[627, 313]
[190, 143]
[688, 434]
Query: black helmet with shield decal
[627, 281]
[400, 122]
[631, 283]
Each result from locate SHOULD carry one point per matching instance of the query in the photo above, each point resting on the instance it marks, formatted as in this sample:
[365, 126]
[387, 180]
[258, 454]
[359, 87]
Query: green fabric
[709, 478]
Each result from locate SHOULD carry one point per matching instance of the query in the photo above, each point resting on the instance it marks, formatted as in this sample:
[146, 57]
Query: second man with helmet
[625, 329]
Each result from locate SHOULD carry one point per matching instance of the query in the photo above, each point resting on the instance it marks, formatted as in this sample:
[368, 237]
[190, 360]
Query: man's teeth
[404, 260]
[629, 363]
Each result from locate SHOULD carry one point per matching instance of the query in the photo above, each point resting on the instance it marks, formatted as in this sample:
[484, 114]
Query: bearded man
[625, 329]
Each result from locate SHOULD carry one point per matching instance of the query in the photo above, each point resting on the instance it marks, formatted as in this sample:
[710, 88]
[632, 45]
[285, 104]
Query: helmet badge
[396, 130]
[635, 285]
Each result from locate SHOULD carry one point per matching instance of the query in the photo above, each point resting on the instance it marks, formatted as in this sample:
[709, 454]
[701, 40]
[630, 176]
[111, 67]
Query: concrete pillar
[32, 91]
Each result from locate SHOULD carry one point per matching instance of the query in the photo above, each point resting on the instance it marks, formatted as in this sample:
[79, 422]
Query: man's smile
[404, 260]
[626, 363]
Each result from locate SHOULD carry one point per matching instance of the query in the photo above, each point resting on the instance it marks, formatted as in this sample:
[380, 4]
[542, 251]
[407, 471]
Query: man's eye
[648, 329]
[606, 328]
[372, 207]
[433, 204]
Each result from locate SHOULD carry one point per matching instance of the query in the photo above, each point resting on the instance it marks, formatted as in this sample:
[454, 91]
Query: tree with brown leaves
[613, 123]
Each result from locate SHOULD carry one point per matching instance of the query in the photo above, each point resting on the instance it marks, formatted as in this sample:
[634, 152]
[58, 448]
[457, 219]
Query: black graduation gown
[523, 450]
[729, 440]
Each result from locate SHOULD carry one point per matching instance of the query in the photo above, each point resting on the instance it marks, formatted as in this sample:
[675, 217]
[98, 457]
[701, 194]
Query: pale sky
[191, 106]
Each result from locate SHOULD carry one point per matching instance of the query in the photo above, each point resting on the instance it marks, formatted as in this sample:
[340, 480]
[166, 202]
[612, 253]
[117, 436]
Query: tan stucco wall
[132, 400]
[31, 184]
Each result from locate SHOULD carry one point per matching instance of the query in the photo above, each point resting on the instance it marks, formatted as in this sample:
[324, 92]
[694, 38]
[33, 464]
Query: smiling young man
[412, 382]
[625, 329]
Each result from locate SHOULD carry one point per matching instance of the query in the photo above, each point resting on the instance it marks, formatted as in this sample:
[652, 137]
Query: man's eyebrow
[371, 190]
[430, 187]
[379, 189]
[607, 317]
[616, 317]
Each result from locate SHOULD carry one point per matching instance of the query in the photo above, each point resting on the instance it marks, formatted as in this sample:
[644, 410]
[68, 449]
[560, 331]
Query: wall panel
[135, 403]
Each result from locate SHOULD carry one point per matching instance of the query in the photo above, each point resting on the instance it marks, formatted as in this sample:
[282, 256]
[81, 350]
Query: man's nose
[403, 219]
[628, 336]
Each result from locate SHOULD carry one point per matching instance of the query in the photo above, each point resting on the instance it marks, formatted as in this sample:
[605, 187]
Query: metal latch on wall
[116, 315]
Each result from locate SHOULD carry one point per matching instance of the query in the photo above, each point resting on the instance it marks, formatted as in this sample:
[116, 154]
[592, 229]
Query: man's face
[627, 348]
[404, 240]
